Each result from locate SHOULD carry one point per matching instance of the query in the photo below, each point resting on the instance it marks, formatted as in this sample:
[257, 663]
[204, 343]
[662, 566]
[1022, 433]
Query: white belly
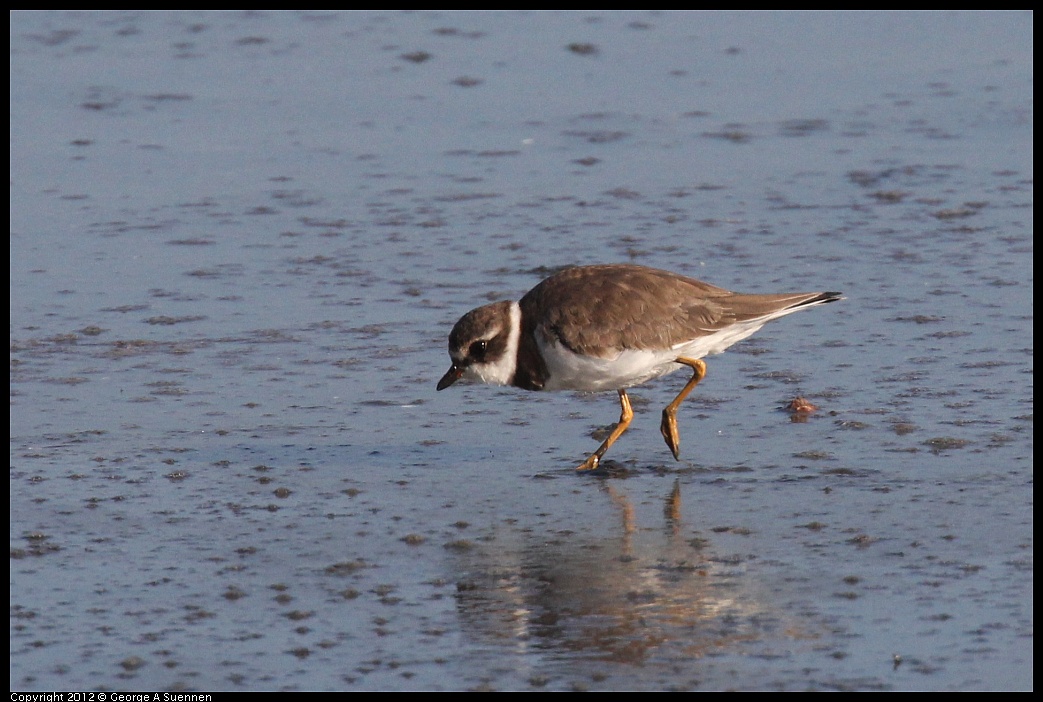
[630, 367]
[569, 371]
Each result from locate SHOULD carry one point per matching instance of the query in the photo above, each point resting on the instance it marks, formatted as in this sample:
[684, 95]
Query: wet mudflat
[239, 240]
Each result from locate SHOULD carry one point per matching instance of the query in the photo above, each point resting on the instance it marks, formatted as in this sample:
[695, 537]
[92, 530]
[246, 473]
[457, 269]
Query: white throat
[500, 371]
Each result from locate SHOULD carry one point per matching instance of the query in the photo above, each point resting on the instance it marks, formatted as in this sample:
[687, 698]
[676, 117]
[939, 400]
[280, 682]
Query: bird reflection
[624, 594]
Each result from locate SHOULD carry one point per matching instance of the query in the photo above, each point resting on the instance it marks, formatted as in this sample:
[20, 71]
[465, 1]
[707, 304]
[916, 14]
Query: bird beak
[451, 376]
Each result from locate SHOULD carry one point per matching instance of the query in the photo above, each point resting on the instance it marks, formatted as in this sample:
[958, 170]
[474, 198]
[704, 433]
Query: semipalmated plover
[610, 327]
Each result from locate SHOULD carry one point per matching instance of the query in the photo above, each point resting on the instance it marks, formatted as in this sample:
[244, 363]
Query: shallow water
[239, 240]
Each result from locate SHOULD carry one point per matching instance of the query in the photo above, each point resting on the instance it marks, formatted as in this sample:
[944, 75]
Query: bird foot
[670, 434]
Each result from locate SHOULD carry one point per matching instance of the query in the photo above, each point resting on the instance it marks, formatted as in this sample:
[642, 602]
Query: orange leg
[669, 425]
[625, 416]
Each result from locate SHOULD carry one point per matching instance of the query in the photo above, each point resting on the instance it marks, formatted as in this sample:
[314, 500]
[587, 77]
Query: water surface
[239, 240]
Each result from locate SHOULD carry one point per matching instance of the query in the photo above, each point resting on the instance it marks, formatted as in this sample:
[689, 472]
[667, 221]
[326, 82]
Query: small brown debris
[801, 405]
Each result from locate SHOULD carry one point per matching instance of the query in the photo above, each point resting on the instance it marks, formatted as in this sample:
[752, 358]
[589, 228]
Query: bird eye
[478, 348]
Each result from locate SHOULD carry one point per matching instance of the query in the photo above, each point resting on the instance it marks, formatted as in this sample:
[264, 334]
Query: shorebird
[611, 327]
